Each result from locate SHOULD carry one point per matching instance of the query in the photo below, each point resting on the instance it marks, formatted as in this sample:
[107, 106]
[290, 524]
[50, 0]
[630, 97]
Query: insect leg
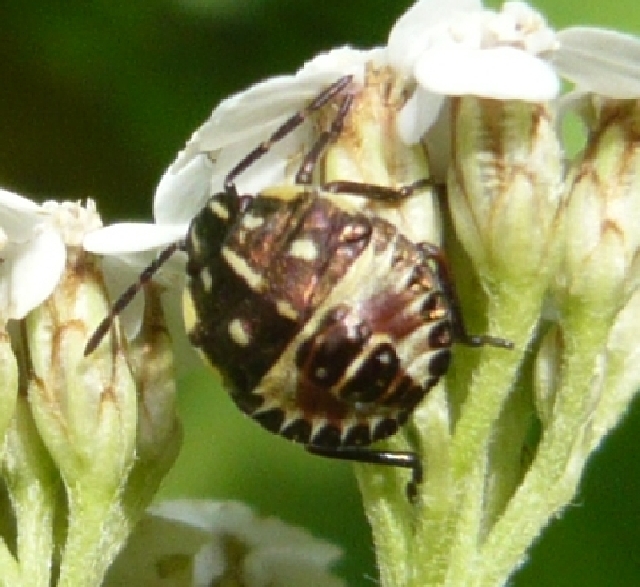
[376, 192]
[404, 459]
[289, 125]
[460, 333]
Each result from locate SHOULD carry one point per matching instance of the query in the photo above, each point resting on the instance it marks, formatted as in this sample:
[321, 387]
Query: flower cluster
[221, 543]
[86, 440]
[544, 251]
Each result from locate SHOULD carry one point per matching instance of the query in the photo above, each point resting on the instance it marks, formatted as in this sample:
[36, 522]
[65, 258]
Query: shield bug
[327, 325]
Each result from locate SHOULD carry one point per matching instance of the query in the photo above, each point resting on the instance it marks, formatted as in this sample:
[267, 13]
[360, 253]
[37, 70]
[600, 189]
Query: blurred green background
[96, 98]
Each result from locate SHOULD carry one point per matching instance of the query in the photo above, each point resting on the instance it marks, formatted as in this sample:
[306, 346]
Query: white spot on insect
[195, 243]
[250, 222]
[320, 373]
[219, 210]
[207, 280]
[286, 309]
[239, 332]
[304, 248]
[242, 269]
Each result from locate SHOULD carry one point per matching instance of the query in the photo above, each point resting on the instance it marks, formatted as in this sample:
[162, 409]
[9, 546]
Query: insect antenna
[128, 294]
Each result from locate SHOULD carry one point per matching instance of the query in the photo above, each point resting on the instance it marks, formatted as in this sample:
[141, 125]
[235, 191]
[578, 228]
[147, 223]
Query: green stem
[34, 520]
[466, 524]
[453, 552]
[556, 470]
[390, 515]
[32, 483]
[514, 316]
[9, 570]
[433, 423]
[96, 533]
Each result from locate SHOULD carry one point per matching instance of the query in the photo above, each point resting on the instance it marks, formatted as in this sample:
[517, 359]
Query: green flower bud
[33, 485]
[78, 425]
[505, 185]
[369, 150]
[602, 213]
[159, 433]
[586, 367]
[8, 379]
[85, 407]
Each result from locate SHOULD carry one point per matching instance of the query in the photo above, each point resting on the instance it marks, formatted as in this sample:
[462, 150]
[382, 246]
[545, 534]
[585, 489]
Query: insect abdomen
[328, 326]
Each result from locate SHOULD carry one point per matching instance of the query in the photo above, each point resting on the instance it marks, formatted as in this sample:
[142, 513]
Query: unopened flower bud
[33, 485]
[505, 184]
[77, 418]
[370, 150]
[85, 407]
[547, 374]
[8, 380]
[159, 432]
[602, 214]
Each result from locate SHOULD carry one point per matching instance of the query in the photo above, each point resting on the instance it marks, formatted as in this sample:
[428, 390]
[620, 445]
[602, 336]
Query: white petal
[249, 115]
[438, 144]
[242, 122]
[502, 73]
[209, 515]
[119, 275]
[18, 216]
[601, 61]
[29, 272]
[418, 115]
[132, 237]
[270, 169]
[155, 541]
[183, 191]
[341, 61]
[411, 35]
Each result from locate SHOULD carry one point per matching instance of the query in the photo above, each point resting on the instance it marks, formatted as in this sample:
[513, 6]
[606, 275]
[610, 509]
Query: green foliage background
[96, 98]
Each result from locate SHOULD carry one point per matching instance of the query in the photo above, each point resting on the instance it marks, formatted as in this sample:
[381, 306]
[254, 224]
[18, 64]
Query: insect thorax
[327, 325]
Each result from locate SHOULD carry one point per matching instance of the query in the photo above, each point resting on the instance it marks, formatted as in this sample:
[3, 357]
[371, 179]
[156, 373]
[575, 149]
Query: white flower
[599, 61]
[224, 539]
[243, 121]
[33, 251]
[460, 48]
[449, 48]
[236, 126]
[32, 242]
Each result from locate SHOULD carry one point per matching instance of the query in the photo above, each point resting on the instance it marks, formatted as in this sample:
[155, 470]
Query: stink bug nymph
[327, 325]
